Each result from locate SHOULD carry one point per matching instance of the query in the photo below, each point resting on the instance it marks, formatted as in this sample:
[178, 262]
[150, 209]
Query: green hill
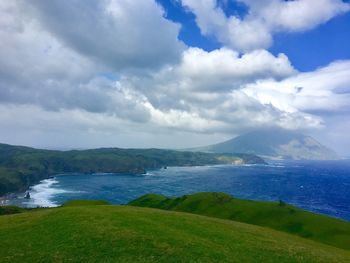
[274, 144]
[21, 166]
[105, 233]
[279, 216]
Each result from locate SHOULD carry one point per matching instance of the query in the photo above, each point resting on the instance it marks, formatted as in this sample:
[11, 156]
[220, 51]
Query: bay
[318, 186]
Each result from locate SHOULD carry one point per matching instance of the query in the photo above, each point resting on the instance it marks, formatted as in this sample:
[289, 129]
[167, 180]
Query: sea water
[318, 186]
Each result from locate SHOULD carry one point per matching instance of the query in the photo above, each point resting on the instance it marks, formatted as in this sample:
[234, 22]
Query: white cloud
[34, 64]
[224, 69]
[202, 93]
[296, 15]
[114, 73]
[324, 91]
[120, 34]
[38, 66]
[264, 18]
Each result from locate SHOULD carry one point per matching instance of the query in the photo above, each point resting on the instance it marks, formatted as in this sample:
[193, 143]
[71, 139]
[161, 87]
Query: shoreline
[155, 183]
[11, 196]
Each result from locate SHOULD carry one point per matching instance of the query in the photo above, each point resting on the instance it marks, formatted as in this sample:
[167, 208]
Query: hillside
[277, 216]
[21, 167]
[274, 144]
[105, 233]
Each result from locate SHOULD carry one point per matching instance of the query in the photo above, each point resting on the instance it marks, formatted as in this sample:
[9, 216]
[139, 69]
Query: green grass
[106, 233]
[8, 210]
[276, 216]
[85, 202]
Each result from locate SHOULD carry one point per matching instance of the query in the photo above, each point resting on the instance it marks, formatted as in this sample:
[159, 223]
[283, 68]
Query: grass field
[106, 233]
[277, 216]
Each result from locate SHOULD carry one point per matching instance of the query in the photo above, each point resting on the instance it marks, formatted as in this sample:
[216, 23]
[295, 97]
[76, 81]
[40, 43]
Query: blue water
[322, 187]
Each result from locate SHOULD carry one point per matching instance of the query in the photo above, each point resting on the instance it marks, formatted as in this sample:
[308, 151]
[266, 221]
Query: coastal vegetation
[21, 166]
[10, 209]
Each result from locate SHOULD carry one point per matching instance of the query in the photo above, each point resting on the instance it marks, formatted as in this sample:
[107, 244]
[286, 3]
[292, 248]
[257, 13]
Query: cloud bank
[114, 73]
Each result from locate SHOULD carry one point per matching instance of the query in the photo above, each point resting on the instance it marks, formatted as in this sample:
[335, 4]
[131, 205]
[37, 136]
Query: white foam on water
[42, 193]
[275, 165]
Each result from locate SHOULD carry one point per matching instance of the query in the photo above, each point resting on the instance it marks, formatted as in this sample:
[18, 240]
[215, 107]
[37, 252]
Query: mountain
[274, 144]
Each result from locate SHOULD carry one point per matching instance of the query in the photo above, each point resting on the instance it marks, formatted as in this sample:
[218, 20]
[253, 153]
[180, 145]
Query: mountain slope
[106, 233]
[274, 144]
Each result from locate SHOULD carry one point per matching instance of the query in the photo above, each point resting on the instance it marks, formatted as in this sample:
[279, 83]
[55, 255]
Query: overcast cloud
[114, 73]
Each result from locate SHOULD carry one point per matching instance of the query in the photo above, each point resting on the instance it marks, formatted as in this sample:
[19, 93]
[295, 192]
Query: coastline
[240, 181]
[305, 189]
[14, 195]
[8, 197]
[2, 200]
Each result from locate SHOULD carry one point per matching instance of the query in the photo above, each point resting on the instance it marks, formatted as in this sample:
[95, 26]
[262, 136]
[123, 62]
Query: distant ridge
[274, 144]
[21, 167]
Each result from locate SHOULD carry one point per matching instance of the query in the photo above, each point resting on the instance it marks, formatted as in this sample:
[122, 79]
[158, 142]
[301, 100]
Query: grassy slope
[268, 214]
[8, 210]
[73, 203]
[131, 234]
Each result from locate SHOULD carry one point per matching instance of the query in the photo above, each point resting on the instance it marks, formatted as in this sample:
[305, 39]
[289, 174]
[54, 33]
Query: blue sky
[306, 50]
[318, 47]
[172, 73]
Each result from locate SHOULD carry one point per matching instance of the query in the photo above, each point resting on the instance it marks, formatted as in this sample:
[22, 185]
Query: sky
[172, 73]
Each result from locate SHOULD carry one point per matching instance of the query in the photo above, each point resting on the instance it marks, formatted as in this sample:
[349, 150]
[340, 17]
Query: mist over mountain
[275, 144]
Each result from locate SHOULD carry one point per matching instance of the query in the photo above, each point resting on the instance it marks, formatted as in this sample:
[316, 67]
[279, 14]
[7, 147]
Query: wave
[275, 165]
[43, 193]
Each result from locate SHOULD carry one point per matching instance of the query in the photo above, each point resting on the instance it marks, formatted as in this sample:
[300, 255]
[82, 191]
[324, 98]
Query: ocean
[318, 186]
